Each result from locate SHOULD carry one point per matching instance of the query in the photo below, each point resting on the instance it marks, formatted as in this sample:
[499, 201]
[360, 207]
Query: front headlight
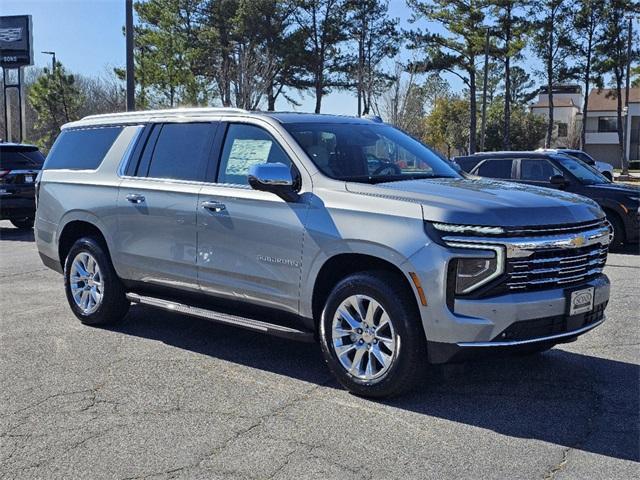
[473, 272]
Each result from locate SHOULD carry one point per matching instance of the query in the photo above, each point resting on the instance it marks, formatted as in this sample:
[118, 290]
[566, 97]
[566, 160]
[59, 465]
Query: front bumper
[499, 323]
[519, 321]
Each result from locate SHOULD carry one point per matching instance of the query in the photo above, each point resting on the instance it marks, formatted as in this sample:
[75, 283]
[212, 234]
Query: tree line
[253, 53]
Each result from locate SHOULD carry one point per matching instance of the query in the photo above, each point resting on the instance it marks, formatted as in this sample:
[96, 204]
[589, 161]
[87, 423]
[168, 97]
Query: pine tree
[56, 99]
[552, 38]
[586, 25]
[321, 28]
[511, 29]
[377, 38]
[459, 50]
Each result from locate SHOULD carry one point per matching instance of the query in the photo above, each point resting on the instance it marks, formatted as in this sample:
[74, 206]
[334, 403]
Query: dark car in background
[620, 202]
[19, 167]
[604, 168]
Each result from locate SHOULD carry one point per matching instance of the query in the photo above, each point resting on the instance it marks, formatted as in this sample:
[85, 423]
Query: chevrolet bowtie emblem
[578, 241]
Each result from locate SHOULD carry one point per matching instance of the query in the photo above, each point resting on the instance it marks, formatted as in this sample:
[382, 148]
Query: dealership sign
[16, 41]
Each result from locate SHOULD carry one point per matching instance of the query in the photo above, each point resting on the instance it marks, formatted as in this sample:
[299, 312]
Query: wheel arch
[75, 228]
[340, 265]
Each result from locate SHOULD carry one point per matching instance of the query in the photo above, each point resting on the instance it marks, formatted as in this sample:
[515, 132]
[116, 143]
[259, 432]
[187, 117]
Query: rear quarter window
[467, 164]
[81, 149]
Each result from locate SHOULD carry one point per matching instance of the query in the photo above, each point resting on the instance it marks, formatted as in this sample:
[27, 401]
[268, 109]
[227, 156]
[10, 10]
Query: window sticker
[245, 153]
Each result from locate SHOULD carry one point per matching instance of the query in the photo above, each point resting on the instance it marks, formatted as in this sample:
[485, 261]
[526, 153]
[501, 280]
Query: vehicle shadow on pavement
[579, 401]
[16, 235]
[627, 249]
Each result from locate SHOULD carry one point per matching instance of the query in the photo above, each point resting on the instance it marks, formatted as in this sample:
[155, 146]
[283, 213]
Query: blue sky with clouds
[87, 37]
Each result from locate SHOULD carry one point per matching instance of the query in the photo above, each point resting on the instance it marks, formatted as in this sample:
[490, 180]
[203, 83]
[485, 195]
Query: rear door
[19, 167]
[502, 168]
[157, 202]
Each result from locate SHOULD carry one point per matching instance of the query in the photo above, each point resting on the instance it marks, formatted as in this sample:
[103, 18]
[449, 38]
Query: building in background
[567, 104]
[601, 140]
[602, 126]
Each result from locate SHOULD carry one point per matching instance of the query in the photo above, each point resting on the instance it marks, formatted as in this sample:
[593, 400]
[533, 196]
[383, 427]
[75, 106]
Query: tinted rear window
[467, 164]
[81, 149]
[17, 158]
[495, 168]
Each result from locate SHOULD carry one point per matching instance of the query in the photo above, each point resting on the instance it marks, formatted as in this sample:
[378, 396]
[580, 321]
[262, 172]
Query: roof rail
[169, 111]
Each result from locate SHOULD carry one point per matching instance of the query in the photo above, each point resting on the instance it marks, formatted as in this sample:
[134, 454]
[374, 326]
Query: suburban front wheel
[94, 291]
[371, 335]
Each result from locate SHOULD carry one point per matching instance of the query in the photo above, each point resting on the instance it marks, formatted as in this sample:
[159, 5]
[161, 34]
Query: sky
[87, 38]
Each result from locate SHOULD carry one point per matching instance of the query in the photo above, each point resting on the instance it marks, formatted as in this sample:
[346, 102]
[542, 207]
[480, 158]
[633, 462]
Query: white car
[603, 167]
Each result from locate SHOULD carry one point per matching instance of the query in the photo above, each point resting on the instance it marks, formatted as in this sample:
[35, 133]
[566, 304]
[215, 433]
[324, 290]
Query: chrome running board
[224, 318]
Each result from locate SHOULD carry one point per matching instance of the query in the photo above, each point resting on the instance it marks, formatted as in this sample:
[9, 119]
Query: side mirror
[558, 181]
[275, 178]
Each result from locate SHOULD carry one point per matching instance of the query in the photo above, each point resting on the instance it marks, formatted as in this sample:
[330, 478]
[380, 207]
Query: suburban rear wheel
[22, 223]
[94, 291]
[371, 335]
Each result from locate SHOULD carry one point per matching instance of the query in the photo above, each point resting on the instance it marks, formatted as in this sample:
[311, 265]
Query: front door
[249, 242]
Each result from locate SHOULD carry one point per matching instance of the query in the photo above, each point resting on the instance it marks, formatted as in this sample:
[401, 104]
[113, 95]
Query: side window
[81, 149]
[180, 152]
[497, 168]
[537, 170]
[245, 146]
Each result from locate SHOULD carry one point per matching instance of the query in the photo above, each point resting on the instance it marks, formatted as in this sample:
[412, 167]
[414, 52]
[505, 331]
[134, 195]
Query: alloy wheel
[85, 279]
[363, 338]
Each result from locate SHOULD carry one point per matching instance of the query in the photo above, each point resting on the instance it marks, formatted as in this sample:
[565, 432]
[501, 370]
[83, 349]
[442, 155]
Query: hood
[487, 202]
[622, 189]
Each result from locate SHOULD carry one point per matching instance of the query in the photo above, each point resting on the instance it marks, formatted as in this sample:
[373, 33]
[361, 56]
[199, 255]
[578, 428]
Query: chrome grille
[556, 267]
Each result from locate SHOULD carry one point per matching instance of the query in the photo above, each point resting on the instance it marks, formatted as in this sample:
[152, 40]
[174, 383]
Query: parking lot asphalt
[167, 396]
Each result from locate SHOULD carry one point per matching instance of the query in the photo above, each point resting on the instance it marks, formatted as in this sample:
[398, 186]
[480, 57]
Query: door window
[245, 146]
[181, 151]
[498, 168]
[537, 170]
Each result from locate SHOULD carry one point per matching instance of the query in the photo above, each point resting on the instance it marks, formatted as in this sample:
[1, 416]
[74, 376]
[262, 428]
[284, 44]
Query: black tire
[618, 230]
[114, 305]
[22, 223]
[409, 363]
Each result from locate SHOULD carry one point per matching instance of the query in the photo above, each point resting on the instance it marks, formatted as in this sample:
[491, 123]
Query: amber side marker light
[416, 282]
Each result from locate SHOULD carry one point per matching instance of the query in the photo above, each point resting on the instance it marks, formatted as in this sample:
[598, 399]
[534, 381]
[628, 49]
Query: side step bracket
[224, 318]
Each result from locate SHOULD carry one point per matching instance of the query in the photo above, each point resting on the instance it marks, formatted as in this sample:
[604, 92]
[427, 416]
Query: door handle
[135, 198]
[214, 206]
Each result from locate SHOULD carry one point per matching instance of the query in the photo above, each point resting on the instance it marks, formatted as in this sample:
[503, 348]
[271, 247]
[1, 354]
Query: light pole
[131, 103]
[53, 61]
[625, 127]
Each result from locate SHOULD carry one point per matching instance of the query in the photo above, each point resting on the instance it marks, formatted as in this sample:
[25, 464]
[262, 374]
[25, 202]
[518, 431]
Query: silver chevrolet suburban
[320, 228]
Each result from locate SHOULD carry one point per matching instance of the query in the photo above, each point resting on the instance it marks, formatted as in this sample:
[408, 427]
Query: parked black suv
[620, 202]
[19, 167]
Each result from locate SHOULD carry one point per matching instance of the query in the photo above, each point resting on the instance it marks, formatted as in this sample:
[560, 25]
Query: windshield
[585, 173]
[368, 153]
